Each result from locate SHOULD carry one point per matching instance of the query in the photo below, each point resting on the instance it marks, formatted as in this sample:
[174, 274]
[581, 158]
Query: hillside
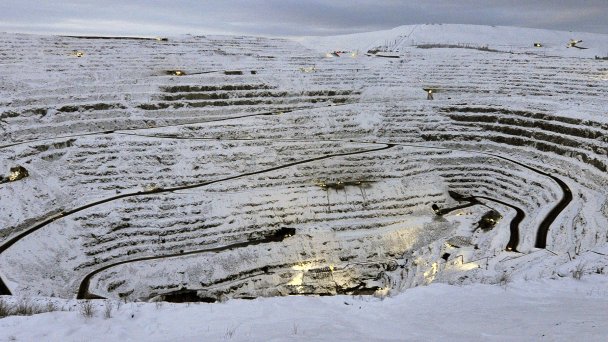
[206, 168]
[501, 38]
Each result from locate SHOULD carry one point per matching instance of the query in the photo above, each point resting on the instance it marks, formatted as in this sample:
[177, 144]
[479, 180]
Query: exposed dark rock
[489, 220]
[18, 172]
[185, 296]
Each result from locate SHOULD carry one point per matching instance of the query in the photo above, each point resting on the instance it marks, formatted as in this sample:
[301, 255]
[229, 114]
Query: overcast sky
[289, 17]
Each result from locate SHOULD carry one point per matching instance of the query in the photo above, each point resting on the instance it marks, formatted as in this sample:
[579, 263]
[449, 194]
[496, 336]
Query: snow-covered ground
[502, 38]
[547, 310]
[147, 185]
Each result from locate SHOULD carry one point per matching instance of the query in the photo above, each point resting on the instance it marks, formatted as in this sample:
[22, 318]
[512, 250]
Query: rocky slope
[174, 168]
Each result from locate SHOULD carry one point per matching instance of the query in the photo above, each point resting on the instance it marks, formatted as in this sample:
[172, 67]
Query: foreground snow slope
[553, 310]
[269, 169]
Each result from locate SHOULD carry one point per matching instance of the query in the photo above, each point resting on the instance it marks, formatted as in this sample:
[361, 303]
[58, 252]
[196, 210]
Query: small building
[538, 45]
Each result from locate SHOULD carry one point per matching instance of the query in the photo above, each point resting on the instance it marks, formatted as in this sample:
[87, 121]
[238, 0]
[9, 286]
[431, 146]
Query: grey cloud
[290, 17]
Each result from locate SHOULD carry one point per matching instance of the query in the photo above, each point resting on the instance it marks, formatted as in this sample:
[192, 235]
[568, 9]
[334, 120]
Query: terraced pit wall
[149, 184]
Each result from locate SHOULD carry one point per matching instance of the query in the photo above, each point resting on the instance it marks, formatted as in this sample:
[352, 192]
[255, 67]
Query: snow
[259, 145]
[553, 310]
[504, 38]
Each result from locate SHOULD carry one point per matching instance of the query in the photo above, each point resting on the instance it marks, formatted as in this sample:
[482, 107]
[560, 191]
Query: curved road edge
[278, 236]
[52, 219]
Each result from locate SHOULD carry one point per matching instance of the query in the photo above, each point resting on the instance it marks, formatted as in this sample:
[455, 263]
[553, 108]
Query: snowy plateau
[429, 182]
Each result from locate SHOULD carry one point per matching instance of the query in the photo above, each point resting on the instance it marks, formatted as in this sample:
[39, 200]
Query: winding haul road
[514, 225]
[541, 236]
[4, 289]
[473, 200]
[543, 227]
[277, 236]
